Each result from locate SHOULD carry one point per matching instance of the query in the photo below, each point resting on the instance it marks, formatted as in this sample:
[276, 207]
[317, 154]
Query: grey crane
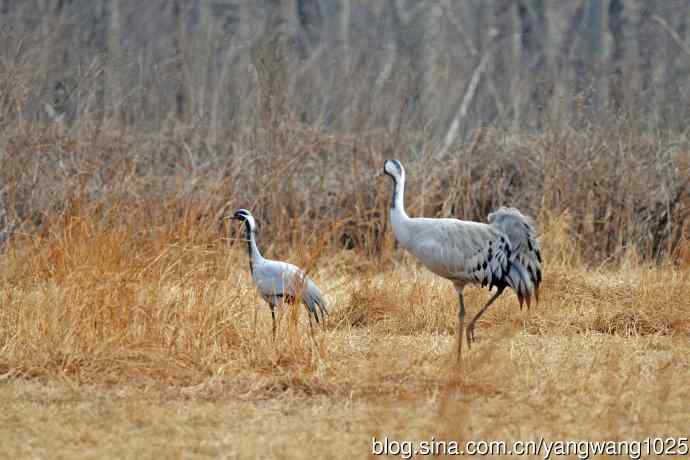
[279, 282]
[503, 253]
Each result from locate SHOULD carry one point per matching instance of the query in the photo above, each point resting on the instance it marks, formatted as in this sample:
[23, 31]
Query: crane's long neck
[254, 253]
[398, 216]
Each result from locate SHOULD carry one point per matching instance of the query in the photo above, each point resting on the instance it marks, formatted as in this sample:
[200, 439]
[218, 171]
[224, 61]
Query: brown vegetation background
[289, 108]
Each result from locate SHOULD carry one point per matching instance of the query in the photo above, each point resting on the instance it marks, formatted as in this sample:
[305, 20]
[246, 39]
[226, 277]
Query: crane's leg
[470, 327]
[273, 316]
[461, 323]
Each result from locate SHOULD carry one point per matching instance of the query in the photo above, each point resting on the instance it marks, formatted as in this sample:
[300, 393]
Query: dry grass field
[122, 343]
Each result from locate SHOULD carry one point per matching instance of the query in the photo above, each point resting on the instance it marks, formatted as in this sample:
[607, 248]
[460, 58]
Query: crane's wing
[461, 250]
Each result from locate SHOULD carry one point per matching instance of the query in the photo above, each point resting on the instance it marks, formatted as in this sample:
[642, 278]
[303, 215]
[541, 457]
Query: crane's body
[454, 249]
[503, 252]
[279, 282]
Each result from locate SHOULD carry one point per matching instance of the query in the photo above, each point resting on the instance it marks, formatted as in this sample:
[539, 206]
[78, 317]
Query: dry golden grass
[129, 343]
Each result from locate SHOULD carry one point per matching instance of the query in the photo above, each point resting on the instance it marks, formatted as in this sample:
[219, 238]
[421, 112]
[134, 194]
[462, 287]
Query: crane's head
[394, 169]
[246, 217]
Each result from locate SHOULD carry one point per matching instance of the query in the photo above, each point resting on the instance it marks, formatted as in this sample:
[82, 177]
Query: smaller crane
[279, 282]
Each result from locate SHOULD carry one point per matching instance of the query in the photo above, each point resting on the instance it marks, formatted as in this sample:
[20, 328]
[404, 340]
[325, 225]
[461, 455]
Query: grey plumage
[279, 282]
[503, 253]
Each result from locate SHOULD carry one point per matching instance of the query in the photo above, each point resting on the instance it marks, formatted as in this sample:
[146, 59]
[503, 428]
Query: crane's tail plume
[524, 273]
[314, 300]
